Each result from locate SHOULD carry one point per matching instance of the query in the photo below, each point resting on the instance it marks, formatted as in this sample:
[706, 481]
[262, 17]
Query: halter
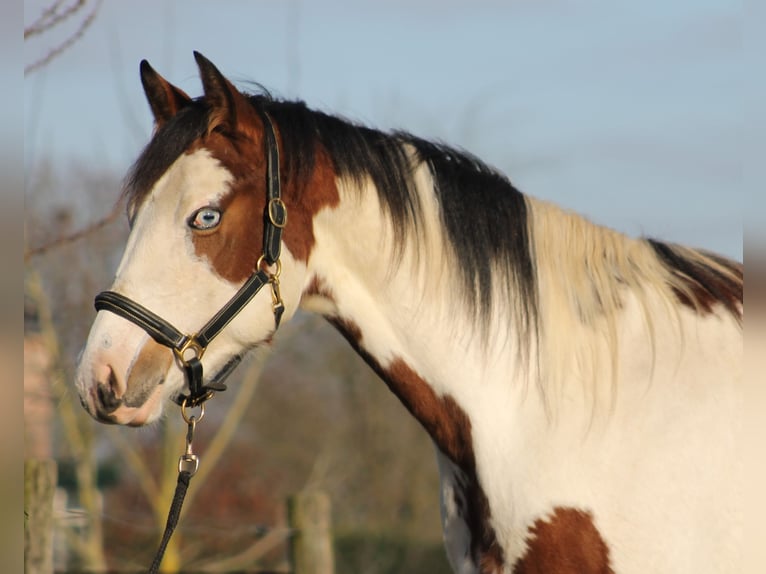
[188, 349]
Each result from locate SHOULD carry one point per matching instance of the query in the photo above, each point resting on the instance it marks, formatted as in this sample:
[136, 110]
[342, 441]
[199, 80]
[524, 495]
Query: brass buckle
[190, 344]
[274, 220]
[276, 295]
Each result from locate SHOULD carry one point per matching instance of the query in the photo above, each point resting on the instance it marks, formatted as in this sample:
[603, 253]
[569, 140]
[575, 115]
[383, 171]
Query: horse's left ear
[229, 106]
[164, 98]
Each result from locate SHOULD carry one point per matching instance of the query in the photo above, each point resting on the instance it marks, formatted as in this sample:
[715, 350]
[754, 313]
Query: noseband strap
[165, 333]
[189, 349]
[157, 328]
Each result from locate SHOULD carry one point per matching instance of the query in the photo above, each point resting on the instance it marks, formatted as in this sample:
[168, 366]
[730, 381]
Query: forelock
[165, 147]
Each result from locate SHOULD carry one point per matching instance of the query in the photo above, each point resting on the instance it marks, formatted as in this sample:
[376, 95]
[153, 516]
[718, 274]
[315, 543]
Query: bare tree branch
[130, 455]
[51, 16]
[58, 50]
[77, 235]
[245, 559]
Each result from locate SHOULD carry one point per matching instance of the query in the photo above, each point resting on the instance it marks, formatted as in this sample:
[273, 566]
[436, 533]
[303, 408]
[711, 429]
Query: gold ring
[192, 419]
[194, 345]
[277, 263]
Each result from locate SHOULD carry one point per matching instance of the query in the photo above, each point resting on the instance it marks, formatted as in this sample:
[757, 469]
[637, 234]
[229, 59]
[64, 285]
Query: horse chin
[150, 411]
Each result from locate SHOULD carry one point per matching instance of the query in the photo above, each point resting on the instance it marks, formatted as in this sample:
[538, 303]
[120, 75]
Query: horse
[581, 387]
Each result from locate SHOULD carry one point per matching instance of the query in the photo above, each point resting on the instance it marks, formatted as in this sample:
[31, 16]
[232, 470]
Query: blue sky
[628, 112]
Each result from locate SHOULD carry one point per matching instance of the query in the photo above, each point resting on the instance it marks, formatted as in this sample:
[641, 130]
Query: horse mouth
[143, 404]
[137, 407]
[145, 413]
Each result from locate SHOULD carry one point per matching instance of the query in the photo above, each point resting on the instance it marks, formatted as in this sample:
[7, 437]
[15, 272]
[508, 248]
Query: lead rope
[188, 464]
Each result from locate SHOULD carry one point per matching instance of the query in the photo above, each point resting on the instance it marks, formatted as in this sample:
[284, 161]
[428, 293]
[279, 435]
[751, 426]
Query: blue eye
[205, 218]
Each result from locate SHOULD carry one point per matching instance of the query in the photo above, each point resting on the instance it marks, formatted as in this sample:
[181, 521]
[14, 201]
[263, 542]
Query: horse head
[206, 216]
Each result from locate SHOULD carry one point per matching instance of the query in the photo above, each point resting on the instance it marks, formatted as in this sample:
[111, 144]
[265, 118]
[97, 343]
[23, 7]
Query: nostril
[114, 384]
[106, 398]
[106, 393]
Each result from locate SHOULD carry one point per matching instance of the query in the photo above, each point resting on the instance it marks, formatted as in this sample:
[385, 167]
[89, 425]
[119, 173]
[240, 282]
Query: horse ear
[164, 98]
[224, 99]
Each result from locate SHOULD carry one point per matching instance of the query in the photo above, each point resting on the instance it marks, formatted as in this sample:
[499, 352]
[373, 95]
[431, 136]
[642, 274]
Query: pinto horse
[581, 387]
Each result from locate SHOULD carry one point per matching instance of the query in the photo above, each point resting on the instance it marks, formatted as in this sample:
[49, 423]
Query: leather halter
[189, 349]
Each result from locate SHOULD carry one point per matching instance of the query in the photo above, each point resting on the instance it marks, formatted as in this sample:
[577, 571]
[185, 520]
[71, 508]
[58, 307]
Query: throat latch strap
[275, 214]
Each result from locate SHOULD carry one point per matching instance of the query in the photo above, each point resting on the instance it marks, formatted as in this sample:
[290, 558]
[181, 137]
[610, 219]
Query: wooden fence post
[311, 545]
[39, 488]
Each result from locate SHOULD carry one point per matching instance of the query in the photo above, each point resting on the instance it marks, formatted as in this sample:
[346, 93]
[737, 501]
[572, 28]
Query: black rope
[184, 476]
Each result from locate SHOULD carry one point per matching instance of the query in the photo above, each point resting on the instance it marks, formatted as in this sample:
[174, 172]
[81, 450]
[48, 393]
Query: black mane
[484, 217]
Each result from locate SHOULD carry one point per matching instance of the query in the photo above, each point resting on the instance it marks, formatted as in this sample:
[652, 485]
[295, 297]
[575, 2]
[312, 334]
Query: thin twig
[139, 467]
[49, 12]
[84, 25]
[51, 17]
[250, 555]
[77, 235]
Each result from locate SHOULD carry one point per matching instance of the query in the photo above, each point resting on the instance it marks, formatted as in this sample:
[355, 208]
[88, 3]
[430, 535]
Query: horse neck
[396, 297]
[398, 300]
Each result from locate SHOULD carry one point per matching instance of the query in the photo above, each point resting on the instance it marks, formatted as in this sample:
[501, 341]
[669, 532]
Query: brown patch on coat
[442, 417]
[704, 285]
[566, 543]
[304, 199]
[709, 288]
[450, 428]
[317, 287]
[492, 560]
[143, 377]
[353, 335]
[233, 248]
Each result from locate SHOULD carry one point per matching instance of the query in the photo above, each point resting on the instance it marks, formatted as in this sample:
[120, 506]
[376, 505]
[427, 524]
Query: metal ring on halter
[192, 419]
[194, 345]
[277, 263]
